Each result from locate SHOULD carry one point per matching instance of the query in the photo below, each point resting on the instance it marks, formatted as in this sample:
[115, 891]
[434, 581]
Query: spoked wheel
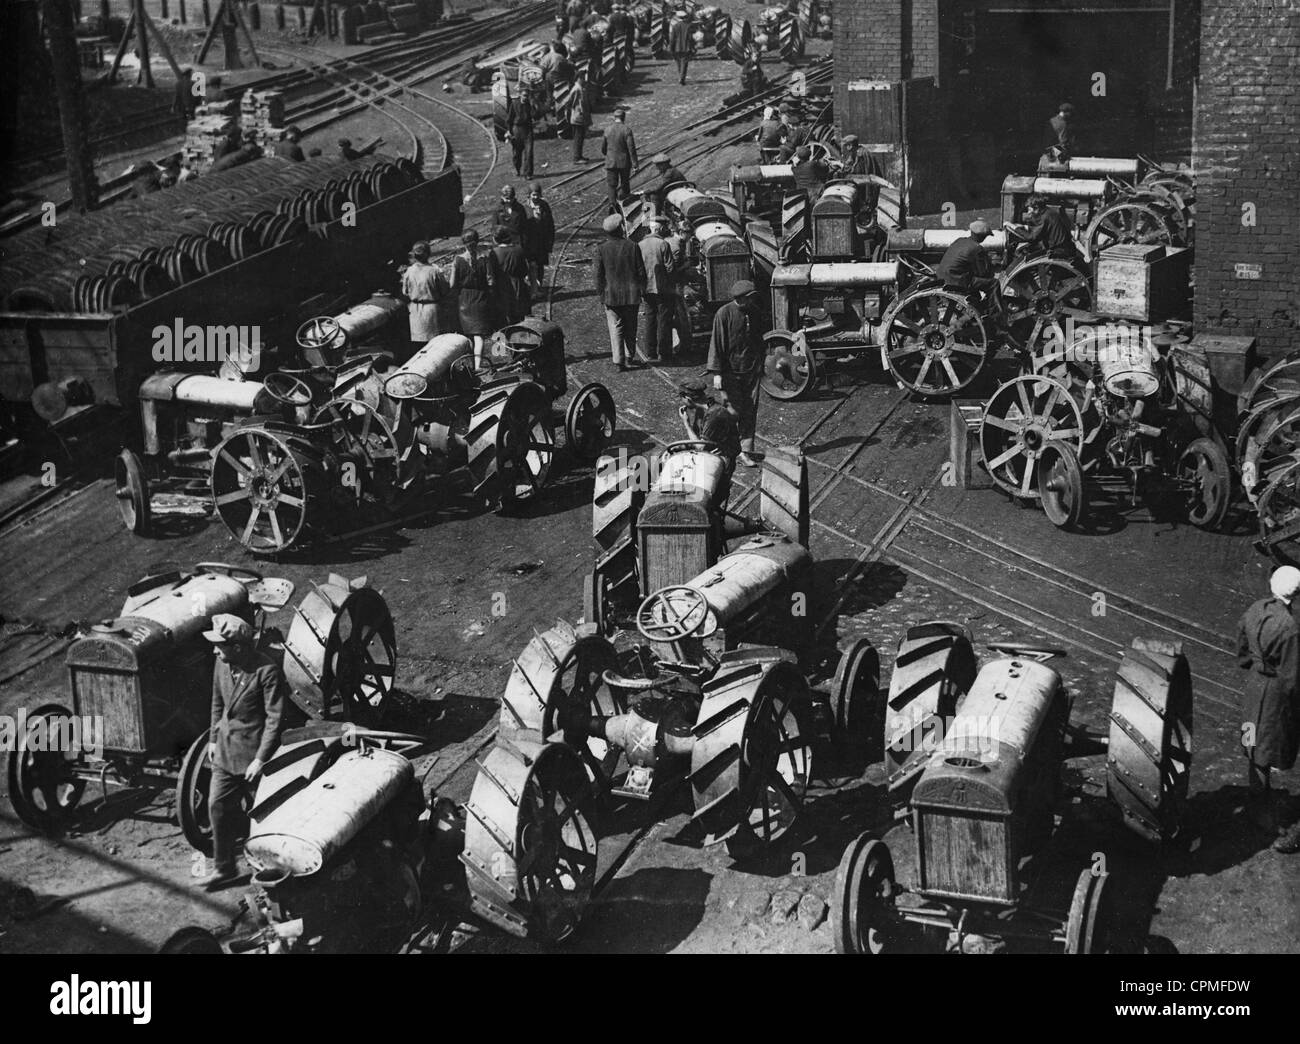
[1280, 381]
[132, 489]
[589, 422]
[1022, 418]
[192, 789]
[863, 906]
[789, 368]
[530, 850]
[375, 449]
[1034, 296]
[42, 789]
[752, 757]
[264, 484]
[1129, 222]
[1203, 468]
[191, 939]
[858, 711]
[1060, 486]
[935, 343]
[1268, 440]
[1088, 929]
[1279, 515]
[511, 445]
[555, 683]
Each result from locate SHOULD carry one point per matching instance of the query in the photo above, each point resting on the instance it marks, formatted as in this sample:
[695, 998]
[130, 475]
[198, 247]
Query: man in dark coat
[512, 279]
[1050, 229]
[1268, 646]
[1060, 141]
[288, 147]
[681, 43]
[541, 241]
[668, 176]
[248, 699]
[736, 360]
[579, 115]
[809, 174]
[707, 420]
[620, 283]
[475, 279]
[965, 265]
[618, 146]
[623, 29]
[520, 121]
[854, 159]
[511, 214]
[184, 102]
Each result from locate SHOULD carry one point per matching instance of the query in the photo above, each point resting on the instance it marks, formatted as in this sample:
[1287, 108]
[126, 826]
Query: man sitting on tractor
[966, 266]
[707, 420]
[1050, 229]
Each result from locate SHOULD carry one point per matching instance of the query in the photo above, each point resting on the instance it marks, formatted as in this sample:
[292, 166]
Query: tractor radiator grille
[967, 856]
[725, 271]
[673, 557]
[834, 237]
[114, 698]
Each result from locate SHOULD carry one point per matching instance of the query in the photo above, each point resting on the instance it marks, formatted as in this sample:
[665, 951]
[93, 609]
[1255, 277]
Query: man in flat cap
[708, 420]
[681, 42]
[514, 296]
[854, 159]
[1051, 230]
[618, 146]
[736, 360]
[521, 120]
[248, 698]
[1268, 646]
[965, 266]
[668, 176]
[809, 174]
[511, 214]
[1059, 141]
[620, 282]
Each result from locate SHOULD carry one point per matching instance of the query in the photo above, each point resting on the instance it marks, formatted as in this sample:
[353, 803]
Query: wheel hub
[936, 341]
[1033, 437]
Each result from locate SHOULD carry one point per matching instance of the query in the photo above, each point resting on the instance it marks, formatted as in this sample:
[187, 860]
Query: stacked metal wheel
[1158, 209]
[1268, 454]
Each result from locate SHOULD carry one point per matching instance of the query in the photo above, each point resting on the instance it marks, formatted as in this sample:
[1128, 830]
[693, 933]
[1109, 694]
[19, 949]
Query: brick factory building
[959, 92]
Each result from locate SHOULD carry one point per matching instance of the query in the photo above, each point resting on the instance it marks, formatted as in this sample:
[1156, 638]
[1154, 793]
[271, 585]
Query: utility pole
[60, 32]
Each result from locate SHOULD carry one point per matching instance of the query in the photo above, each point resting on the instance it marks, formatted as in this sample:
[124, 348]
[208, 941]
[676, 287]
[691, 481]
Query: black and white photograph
[570, 477]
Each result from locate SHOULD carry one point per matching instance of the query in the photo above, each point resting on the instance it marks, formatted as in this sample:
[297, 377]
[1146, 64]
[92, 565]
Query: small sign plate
[1245, 270]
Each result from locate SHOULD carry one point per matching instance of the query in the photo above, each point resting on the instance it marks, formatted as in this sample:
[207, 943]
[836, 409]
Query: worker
[248, 701]
[618, 146]
[809, 174]
[669, 176]
[1060, 141]
[511, 213]
[752, 79]
[579, 44]
[514, 297]
[657, 258]
[575, 9]
[708, 420]
[1268, 646]
[770, 136]
[423, 285]
[681, 316]
[555, 58]
[622, 30]
[681, 42]
[475, 278]
[620, 283]
[185, 101]
[347, 152]
[521, 118]
[1051, 230]
[797, 135]
[580, 115]
[244, 154]
[288, 147]
[965, 265]
[541, 240]
[854, 159]
[736, 360]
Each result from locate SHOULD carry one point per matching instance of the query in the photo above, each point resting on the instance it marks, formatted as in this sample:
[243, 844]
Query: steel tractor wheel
[530, 850]
[589, 422]
[790, 366]
[615, 506]
[863, 909]
[1088, 929]
[192, 788]
[1061, 487]
[935, 343]
[132, 489]
[1278, 506]
[935, 666]
[1267, 442]
[858, 726]
[1024, 417]
[268, 486]
[790, 39]
[739, 38]
[752, 757]
[1148, 766]
[783, 493]
[1204, 469]
[1128, 222]
[511, 444]
[558, 678]
[377, 451]
[341, 651]
[191, 939]
[42, 789]
[1033, 297]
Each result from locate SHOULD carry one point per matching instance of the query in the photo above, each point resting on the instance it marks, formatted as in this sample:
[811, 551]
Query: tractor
[779, 31]
[1268, 419]
[1109, 404]
[146, 675]
[974, 759]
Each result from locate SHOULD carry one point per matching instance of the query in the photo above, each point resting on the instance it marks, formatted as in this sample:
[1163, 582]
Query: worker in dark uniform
[707, 420]
[248, 699]
[475, 278]
[514, 297]
[681, 42]
[668, 177]
[541, 240]
[347, 152]
[511, 214]
[770, 136]
[736, 360]
[752, 78]
[1268, 646]
[184, 102]
[809, 174]
[855, 159]
[618, 146]
[243, 154]
[520, 123]
[1060, 141]
[288, 147]
[1051, 230]
[620, 285]
[622, 29]
[965, 266]
[580, 115]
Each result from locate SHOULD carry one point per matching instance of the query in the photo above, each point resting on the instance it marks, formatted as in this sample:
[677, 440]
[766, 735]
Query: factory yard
[897, 533]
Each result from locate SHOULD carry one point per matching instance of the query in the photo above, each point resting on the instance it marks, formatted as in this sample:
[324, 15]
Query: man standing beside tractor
[736, 360]
[248, 698]
[681, 43]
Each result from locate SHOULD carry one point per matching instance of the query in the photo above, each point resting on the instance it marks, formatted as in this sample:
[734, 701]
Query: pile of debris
[212, 133]
[261, 117]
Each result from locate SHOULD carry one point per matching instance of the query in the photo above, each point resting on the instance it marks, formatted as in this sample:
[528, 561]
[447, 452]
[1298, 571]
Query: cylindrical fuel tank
[853, 273]
[187, 608]
[762, 172]
[738, 580]
[1005, 708]
[842, 192]
[1071, 188]
[429, 365]
[1092, 167]
[695, 206]
[362, 320]
[1127, 366]
[238, 396]
[303, 833]
[937, 240]
[690, 468]
[715, 230]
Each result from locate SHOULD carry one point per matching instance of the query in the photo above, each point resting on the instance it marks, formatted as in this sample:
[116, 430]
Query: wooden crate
[1144, 283]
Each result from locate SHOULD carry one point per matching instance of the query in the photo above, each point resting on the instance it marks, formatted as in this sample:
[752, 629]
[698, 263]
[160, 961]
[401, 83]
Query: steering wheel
[916, 266]
[686, 445]
[321, 332]
[674, 613]
[287, 389]
[1027, 650]
[617, 681]
[235, 572]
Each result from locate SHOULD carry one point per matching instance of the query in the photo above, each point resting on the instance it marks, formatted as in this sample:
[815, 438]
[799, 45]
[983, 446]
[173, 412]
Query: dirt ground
[892, 546]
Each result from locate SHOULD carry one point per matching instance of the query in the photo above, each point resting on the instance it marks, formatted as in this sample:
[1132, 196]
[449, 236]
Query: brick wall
[1245, 151]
